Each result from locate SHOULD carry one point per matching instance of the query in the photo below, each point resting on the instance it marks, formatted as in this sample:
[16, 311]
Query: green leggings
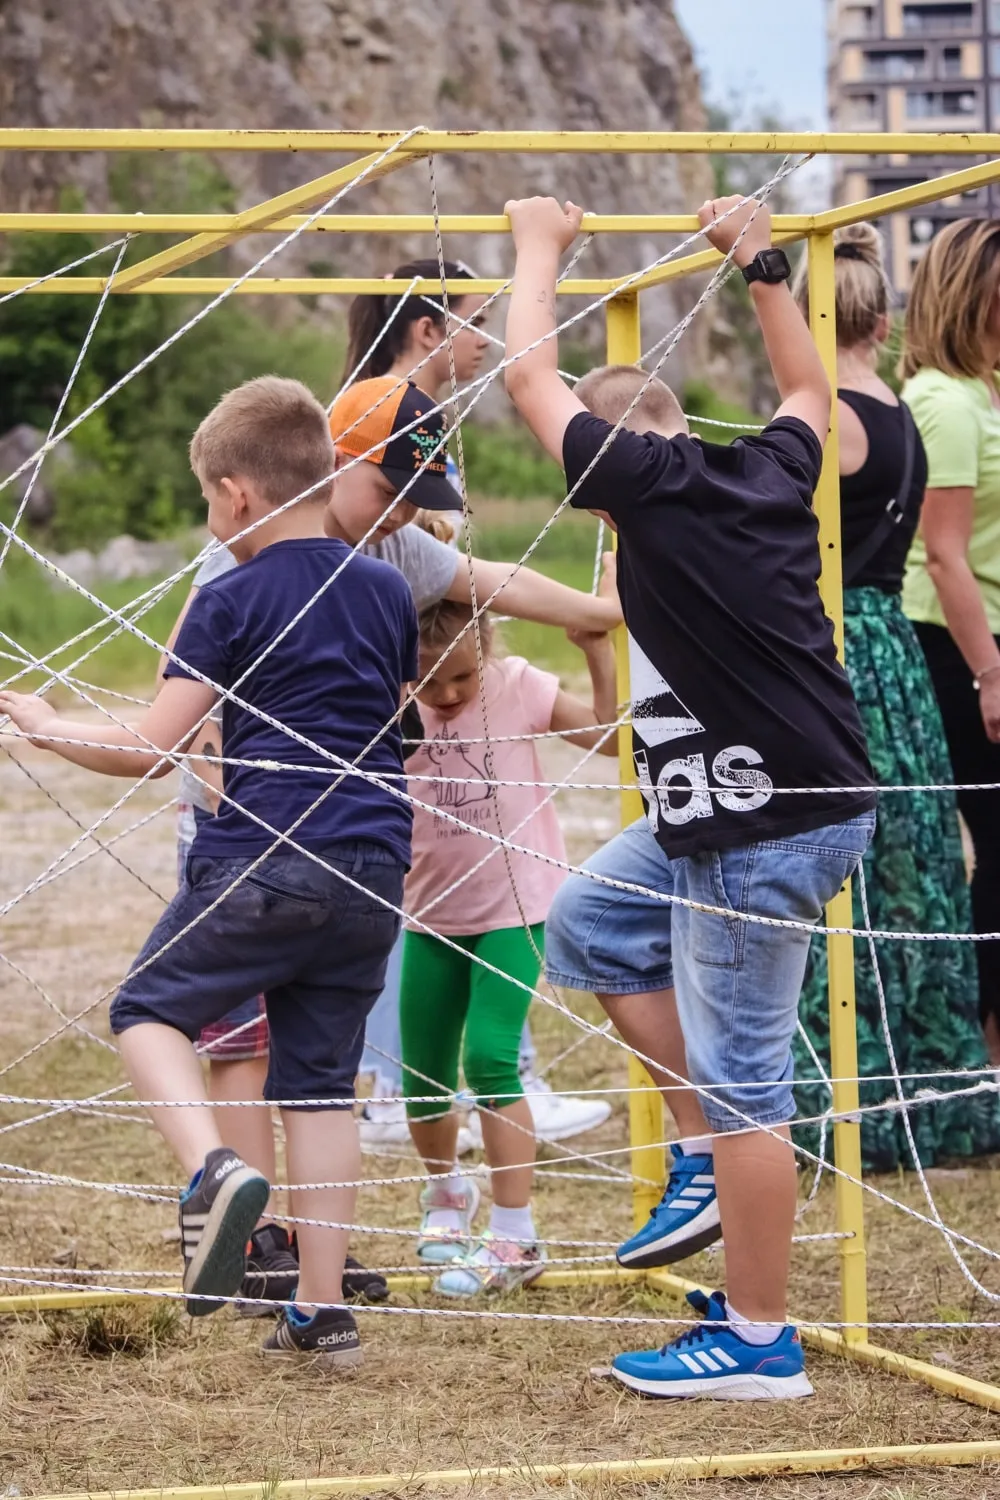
[451, 1006]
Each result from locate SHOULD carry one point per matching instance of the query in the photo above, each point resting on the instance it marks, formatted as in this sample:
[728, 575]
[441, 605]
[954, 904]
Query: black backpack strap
[895, 511]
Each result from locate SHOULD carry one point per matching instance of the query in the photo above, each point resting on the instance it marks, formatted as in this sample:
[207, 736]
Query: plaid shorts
[242, 1034]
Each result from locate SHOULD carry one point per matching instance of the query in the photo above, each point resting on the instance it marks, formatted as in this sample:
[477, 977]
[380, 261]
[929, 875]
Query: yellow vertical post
[646, 1108]
[840, 950]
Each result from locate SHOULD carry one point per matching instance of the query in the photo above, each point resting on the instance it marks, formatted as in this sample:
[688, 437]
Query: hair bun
[865, 244]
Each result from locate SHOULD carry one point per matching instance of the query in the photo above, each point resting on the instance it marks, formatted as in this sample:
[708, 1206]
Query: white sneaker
[559, 1116]
[382, 1126]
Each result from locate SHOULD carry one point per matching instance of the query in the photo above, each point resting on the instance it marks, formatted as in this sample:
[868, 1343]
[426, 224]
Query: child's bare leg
[163, 1064]
[649, 1024]
[250, 1132]
[322, 1146]
[510, 1152]
[756, 1182]
[437, 1142]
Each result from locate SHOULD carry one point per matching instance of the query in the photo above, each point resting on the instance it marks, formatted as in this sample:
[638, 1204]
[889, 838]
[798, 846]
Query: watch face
[774, 264]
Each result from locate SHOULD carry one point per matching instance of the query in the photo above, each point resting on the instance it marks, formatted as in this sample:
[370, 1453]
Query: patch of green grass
[40, 616]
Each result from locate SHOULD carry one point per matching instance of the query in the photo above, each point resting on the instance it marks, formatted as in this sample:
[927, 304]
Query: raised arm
[574, 719]
[803, 387]
[113, 749]
[542, 230]
[528, 595]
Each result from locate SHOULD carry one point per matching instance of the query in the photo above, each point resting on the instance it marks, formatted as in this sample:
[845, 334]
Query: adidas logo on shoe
[231, 1164]
[349, 1336]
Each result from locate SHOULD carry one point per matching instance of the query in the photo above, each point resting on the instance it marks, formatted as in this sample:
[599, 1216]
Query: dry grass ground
[141, 1396]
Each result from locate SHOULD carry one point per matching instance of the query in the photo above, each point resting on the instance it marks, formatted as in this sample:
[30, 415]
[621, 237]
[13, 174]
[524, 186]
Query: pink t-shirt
[519, 700]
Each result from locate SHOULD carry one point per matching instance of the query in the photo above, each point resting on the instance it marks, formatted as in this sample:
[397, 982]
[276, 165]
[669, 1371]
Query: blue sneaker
[713, 1361]
[685, 1220]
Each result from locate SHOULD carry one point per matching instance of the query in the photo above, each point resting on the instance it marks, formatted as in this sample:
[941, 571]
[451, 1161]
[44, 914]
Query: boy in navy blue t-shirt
[311, 645]
[740, 712]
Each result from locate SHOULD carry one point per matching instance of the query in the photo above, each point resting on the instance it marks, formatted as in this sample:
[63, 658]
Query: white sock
[513, 1224]
[698, 1145]
[448, 1218]
[753, 1333]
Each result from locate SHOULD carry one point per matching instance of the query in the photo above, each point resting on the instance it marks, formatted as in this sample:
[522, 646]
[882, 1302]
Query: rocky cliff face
[568, 64]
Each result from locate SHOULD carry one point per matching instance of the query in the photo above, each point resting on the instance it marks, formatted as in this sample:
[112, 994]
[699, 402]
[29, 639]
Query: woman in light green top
[952, 586]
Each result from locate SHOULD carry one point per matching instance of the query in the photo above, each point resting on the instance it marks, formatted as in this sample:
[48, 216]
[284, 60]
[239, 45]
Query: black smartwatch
[769, 266]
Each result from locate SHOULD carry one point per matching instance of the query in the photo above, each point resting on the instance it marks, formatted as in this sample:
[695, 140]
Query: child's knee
[495, 1082]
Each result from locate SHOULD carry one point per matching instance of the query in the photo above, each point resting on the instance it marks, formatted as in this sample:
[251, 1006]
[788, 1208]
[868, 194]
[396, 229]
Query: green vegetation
[39, 616]
[131, 472]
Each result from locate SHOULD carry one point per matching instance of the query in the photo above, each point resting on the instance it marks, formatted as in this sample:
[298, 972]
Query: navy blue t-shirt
[334, 678]
[737, 693]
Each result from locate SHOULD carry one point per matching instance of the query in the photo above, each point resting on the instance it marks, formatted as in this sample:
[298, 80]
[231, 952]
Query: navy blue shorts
[315, 945]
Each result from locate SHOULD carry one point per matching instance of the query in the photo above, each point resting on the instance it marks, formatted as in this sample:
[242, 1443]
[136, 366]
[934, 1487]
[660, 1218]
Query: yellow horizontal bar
[296, 286]
[307, 195]
[36, 1302]
[723, 1466]
[64, 1301]
[640, 142]
[697, 262]
[914, 196]
[152, 223]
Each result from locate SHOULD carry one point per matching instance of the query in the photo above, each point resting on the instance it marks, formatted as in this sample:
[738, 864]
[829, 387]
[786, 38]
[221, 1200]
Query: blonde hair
[443, 622]
[951, 301]
[438, 524]
[272, 432]
[864, 291]
[609, 391]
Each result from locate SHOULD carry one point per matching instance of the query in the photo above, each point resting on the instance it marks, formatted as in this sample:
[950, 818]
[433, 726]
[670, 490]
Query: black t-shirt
[736, 687]
[865, 495]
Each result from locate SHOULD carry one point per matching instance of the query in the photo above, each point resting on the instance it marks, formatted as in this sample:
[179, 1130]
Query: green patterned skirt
[916, 881]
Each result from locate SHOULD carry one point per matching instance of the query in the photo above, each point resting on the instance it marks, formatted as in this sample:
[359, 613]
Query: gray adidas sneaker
[217, 1218]
[330, 1339]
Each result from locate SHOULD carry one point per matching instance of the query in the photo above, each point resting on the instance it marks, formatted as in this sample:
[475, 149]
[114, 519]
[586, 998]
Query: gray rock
[18, 445]
[460, 64]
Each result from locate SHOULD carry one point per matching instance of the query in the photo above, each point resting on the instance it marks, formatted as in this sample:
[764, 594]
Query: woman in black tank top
[914, 871]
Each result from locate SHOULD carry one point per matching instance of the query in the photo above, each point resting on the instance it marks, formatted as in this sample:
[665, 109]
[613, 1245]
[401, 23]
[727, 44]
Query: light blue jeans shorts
[737, 982]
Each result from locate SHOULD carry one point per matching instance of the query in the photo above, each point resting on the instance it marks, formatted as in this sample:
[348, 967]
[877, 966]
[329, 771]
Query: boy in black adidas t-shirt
[738, 701]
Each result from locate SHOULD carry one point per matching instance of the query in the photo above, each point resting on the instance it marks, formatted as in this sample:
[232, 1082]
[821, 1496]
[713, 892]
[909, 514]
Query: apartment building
[912, 65]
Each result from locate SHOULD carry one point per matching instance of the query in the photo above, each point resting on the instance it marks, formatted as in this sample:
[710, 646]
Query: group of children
[295, 887]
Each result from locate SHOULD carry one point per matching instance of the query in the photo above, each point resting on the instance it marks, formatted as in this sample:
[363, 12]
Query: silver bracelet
[980, 677]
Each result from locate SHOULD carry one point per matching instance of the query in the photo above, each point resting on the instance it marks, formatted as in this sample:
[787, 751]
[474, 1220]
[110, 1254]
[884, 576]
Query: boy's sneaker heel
[217, 1217]
[272, 1272]
[685, 1220]
[330, 1340]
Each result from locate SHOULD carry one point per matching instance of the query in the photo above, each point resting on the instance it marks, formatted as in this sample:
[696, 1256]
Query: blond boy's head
[609, 391]
[269, 434]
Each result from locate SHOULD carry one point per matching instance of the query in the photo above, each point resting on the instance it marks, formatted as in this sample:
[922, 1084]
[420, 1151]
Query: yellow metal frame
[209, 232]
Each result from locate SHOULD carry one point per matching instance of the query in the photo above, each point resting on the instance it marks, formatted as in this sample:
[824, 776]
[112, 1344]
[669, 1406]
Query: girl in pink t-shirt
[460, 885]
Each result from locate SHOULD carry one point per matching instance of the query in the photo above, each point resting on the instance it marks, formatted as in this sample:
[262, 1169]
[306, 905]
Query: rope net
[116, 834]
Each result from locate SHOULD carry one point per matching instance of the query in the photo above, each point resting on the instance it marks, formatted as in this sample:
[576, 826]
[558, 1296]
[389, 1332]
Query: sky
[769, 52]
[766, 56]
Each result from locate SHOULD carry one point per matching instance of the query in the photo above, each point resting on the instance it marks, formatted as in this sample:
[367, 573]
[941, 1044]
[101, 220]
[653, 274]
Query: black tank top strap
[865, 495]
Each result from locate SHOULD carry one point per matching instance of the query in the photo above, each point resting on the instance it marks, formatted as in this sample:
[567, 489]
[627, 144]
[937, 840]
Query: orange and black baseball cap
[396, 427]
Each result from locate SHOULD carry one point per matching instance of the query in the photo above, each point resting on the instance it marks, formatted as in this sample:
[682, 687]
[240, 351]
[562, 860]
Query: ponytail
[370, 315]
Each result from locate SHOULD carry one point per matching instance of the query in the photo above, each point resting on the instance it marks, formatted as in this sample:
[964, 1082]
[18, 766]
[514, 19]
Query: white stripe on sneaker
[708, 1361]
[692, 1364]
[706, 1179]
[696, 1192]
[727, 1359]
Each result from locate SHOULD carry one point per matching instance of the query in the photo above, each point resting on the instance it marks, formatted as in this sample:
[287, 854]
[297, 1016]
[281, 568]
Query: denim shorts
[314, 945]
[737, 982]
[241, 1034]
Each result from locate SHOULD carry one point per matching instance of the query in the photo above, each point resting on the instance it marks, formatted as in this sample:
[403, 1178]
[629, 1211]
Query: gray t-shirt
[429, 567]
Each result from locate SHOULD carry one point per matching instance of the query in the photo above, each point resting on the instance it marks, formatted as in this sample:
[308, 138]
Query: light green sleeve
[946, 414]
